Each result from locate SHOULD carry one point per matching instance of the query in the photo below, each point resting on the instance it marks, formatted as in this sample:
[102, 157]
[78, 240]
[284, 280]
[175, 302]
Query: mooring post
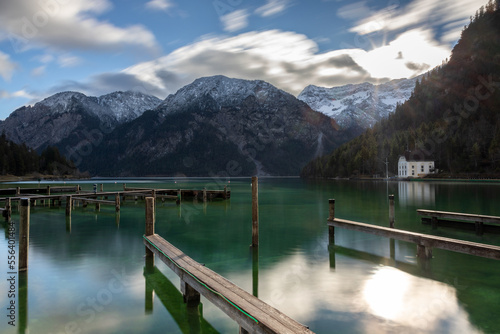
[68, 205]
[117, 202]
[179, 195]
[124, 187]
[331, 217]
[8, 209]
[224, 195]
[190, 295]
[97, 206]
[102, 187]
[18, 191]
[150, 221]
[424, 252]
[204, 195]
[391, 211]
[255, 211]
[24, 233]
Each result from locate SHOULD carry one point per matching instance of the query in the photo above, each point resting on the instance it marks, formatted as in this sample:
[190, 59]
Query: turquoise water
[88, 275]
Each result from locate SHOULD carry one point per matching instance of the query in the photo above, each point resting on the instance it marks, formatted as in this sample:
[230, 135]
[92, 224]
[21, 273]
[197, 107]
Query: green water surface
[88, 275]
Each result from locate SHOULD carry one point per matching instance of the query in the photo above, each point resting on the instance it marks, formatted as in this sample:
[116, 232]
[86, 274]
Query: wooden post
[117, 203]
[255, 211]
[434, 222]
[243, 331]
[204, 195]
[68, 205]
[24, 233]
[191, 296]
[124, 187]
[78, 188]
[18, 191]
[179, 197]
[224, 196]
[391, 211]
[331, 217]
[102, 187]
[8, 209]
[150, 221]
[48, 190]
[424, 252]
[255, 271]
[98, 206]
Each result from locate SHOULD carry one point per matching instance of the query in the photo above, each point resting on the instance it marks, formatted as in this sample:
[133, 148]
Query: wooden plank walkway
[251, 313]
[441, 216]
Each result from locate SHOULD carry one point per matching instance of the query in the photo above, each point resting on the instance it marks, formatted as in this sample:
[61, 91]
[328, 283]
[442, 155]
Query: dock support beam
[424, 252]
[117, 203]
[24, 233]
[255, 211]
[8, 209]
[204, 195]
[391, 211]
[190, 295]
[331, 217]
[69, 202]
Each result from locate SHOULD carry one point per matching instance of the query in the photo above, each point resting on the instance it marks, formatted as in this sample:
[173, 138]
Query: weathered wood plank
[92, 200]
[219, 290]
[429, 241]
[459, 216]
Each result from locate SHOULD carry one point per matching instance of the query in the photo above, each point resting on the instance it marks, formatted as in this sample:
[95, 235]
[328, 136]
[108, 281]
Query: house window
[413, 173]
[422, 168]
[412, 166]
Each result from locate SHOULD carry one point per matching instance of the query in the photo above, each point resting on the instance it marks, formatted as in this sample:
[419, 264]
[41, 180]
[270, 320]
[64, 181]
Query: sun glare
[385, 292]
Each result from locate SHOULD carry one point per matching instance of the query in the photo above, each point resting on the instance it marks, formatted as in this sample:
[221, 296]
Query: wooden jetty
[425, 243]
[252, 314]
[56, 195]
[455, 218]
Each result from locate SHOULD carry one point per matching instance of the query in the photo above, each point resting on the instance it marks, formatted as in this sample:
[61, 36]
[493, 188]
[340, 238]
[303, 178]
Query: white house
[413, 167]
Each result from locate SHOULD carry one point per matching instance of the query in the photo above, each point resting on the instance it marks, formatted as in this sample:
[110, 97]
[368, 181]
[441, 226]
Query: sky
[157, 46]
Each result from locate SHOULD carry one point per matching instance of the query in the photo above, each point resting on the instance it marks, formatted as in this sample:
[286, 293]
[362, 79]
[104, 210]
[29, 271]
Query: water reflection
[416, 193]
[374, 298]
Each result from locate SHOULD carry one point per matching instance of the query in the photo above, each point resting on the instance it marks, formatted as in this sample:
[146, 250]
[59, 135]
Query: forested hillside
[452, 117]
[21, 160]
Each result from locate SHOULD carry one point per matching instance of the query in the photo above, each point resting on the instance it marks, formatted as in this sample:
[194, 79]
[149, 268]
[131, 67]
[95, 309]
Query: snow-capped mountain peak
[359, 105]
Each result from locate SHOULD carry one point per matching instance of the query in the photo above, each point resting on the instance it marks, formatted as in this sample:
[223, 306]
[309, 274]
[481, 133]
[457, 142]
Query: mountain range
[357, 107]
[211, 126]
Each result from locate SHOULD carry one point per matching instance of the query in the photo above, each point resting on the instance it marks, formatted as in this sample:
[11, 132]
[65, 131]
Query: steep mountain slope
[453, 116]
[218, 125]
[71, 116]
[358, 106]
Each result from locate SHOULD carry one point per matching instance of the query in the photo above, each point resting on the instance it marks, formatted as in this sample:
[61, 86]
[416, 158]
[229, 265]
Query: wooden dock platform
[425, 242]
[449, 218]
[252, 314]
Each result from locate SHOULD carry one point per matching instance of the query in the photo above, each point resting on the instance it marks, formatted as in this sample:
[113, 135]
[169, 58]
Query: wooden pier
[425, 243]
[459, 219]
[54, 196]
[252, 314]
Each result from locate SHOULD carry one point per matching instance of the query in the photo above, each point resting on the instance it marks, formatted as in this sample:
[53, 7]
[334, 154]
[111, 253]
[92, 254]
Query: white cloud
[17, 94]
[410, 54]
[67, 60]
[235, 21]
[287, 60]
[164, 5]
[6, 66]
[68, 25]
[421, 13]
[272, 7]
[38, 71]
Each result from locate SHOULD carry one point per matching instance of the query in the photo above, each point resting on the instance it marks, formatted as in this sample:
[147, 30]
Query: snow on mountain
[126, 106]
[72, 115]
[360, 105]
[225, 91]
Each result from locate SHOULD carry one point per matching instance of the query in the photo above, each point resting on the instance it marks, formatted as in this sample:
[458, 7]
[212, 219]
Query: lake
[88, 275]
